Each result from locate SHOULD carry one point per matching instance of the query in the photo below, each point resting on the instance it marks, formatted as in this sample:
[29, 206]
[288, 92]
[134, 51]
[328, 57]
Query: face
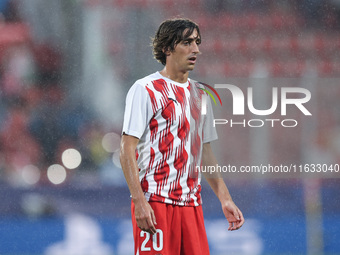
[183, 57]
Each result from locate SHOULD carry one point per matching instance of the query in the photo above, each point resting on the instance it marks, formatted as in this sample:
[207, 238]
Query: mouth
[192, 59]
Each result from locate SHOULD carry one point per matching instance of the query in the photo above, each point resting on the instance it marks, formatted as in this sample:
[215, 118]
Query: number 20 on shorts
[157, 241]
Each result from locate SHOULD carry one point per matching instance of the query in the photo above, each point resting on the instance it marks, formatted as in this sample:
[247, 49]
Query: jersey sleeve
[209, 131]
[138, 111]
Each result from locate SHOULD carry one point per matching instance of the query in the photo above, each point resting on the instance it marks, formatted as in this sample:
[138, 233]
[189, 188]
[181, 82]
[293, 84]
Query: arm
[216, 182]
[144, 214]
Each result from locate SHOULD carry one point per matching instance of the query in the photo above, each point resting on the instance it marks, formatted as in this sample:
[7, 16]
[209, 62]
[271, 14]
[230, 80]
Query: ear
[166, 51]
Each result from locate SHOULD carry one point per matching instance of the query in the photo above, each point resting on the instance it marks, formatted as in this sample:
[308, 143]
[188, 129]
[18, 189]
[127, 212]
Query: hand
[145, 216]
[233, 215]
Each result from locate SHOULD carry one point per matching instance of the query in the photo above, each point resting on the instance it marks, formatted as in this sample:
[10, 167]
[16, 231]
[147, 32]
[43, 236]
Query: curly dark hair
[169, 34]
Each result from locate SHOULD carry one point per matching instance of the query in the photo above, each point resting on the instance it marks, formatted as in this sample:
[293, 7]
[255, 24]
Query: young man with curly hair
[165, 137]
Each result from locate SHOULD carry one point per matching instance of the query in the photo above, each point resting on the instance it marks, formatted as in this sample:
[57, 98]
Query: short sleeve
[209, 131]
[138, 111]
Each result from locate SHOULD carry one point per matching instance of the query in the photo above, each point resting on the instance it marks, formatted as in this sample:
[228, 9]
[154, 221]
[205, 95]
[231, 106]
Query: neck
[178, 76]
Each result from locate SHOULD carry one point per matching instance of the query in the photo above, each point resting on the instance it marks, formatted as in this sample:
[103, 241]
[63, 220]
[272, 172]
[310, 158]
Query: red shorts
[180, 231]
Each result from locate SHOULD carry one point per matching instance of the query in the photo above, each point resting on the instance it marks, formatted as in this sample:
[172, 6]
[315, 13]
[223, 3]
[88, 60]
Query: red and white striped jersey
[166, 117]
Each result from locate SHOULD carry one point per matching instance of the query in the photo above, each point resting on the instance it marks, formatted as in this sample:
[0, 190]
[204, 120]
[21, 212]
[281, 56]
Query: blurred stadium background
[65, 68]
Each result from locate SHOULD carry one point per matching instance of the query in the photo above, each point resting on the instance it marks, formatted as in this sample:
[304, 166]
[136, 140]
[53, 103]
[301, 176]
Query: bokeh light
[116, 158]
[111, 142]
[56, 174]
[71, 158]
[30, 174]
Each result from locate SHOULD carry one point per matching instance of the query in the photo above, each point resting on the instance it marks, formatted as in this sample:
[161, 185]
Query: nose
[195, 48]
